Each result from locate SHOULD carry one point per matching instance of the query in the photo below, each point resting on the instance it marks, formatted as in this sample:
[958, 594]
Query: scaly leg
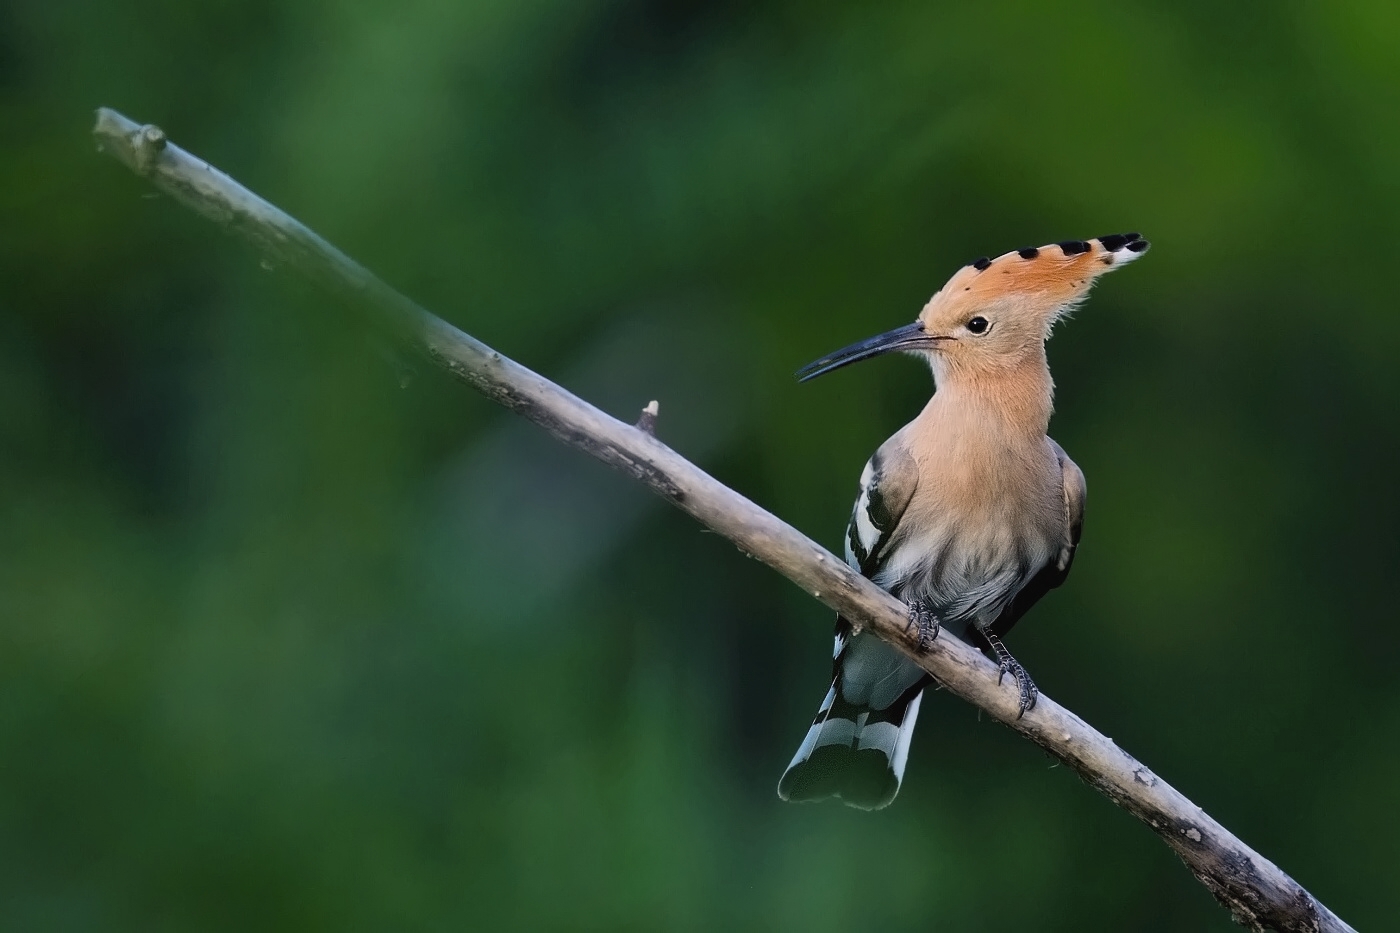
[1009, 665]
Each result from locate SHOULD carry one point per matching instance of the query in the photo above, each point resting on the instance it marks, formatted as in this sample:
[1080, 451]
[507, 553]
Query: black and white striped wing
[886, 486]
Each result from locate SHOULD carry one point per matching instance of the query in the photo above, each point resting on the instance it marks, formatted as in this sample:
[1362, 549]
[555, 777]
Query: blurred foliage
[285, 646]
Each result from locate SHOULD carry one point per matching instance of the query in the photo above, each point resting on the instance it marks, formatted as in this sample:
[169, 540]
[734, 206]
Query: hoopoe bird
[969, 513]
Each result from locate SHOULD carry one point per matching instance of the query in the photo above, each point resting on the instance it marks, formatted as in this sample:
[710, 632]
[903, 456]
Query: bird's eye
[978, 325]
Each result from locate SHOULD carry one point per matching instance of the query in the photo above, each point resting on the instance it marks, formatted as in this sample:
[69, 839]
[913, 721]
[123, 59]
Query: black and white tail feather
[859, 742]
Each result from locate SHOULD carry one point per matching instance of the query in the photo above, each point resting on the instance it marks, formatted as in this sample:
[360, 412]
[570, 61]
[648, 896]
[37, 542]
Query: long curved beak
[908, 337]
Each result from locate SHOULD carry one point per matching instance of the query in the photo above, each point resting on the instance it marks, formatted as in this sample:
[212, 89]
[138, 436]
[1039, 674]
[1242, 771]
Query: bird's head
[993, 312]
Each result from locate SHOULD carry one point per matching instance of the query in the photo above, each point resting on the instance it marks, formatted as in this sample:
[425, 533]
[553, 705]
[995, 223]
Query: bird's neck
[1015, 398]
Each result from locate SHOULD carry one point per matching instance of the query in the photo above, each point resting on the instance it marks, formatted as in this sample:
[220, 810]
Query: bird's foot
[925, 621]
[1006, 664]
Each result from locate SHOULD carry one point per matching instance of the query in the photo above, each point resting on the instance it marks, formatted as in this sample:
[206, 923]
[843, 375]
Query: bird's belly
[967, 572]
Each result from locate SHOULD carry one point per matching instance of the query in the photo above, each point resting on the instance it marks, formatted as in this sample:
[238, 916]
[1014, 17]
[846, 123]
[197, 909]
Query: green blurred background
[285, 646]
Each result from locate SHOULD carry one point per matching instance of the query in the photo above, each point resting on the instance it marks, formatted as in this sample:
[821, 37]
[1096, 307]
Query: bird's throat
[1016, 400]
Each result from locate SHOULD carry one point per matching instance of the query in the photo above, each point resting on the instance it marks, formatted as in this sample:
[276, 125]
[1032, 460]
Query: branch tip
[139, 147]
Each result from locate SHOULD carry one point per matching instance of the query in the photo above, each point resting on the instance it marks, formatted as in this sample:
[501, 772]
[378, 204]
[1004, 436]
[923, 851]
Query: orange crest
[1041, 283]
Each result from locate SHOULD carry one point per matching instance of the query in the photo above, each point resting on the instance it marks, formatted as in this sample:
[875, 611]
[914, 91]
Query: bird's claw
[1029, 692]
[1006, 664]
[925, 621]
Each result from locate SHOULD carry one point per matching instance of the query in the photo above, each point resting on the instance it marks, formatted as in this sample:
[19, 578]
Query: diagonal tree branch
[1256, 892]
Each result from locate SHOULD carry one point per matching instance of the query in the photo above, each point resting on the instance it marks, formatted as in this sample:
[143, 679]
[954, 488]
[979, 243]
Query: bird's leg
[925, 621]
[1009, 665]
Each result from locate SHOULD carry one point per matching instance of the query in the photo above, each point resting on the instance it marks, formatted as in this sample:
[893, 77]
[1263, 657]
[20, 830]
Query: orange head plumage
[993, 311]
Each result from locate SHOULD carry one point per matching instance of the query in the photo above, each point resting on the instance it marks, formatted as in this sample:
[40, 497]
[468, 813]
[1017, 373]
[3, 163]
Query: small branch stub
[647, 422]
[147, 144]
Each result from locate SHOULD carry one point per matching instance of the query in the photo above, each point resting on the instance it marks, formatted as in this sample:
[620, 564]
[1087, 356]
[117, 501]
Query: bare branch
[1257, 893]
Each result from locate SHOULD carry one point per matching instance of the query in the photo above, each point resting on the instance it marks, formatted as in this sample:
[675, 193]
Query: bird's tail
[858, 744]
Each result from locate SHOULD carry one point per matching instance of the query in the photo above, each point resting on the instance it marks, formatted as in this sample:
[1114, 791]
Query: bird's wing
[1075, 490]
[1054, 572]
[886, 486]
